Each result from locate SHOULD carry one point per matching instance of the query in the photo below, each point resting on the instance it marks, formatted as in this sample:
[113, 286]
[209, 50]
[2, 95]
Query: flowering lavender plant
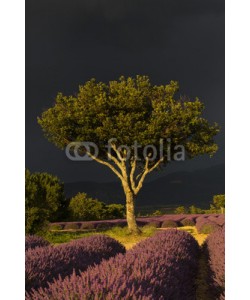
[215, 245]
[32, 241]
[45, 264]
[188, 221]
[162, 267]
[169, 223]
[204, 225]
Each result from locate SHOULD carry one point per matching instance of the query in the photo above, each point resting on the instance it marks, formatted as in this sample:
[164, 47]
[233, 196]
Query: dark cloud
[68, 42]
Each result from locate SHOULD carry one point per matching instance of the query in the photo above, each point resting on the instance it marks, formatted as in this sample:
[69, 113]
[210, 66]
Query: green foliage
[180, 210]
[169, 224]
[148, 230]
[154, 224]
[219, 201]
[58, 237]
[84, 208]
[100, 111]
[55, 227]
[218, 205]
[195, 210]
[44, 197]
[208, 228]
[118, 232]
[122, 234]
[157, 213]
[212, 210]
[187, 222]
[114, 211]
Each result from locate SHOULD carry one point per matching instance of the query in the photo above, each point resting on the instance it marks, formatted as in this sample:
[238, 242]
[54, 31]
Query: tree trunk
[130, 211]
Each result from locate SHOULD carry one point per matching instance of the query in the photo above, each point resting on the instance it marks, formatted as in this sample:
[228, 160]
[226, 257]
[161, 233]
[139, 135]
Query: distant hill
[180, 188]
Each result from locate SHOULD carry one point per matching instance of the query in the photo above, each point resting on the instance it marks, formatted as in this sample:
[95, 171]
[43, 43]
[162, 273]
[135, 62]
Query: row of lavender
[33, 241]
[44, 262]
[204, 223]
[141, 273]
[215, 247]
[209, 224]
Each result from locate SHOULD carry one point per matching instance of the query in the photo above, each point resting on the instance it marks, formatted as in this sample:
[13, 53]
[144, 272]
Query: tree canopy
[84, 208]
[44, 196]
[219, 201]
[129, 110]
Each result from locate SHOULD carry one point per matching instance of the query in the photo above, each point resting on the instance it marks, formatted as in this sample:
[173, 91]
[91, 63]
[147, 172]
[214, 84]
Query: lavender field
[204, 223]
[163, 266]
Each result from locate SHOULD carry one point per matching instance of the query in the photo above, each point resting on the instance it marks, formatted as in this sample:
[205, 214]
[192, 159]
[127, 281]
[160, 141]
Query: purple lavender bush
[188, 222]
[206, 226]
[169, 224]
[176, 218]
[201, 217]
[103, 226]
[42, 265]
[215, 245]
[32, 241]
[142, 222]
[162, 267]
[213, 217]
[220, 220]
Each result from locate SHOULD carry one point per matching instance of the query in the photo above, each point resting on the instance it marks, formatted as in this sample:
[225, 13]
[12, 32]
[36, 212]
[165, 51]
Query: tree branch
[121, 164]
[132, 181]
[117, 152]
[146, 171]
[115, 160]
[156, 165]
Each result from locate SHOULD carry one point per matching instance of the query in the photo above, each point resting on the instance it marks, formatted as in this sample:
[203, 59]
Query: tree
[44, 195]
[133, 117]
[157, 213]
[84, 208]
[218, 203]
[114, 211]
[180, 210]
[195, 210]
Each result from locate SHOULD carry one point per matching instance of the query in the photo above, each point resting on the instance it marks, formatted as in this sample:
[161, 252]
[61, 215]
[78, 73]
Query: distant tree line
[218, 206]
[45, 202]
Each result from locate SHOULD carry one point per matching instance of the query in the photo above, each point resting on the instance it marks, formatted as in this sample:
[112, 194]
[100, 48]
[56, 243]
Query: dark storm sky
[69, 42]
